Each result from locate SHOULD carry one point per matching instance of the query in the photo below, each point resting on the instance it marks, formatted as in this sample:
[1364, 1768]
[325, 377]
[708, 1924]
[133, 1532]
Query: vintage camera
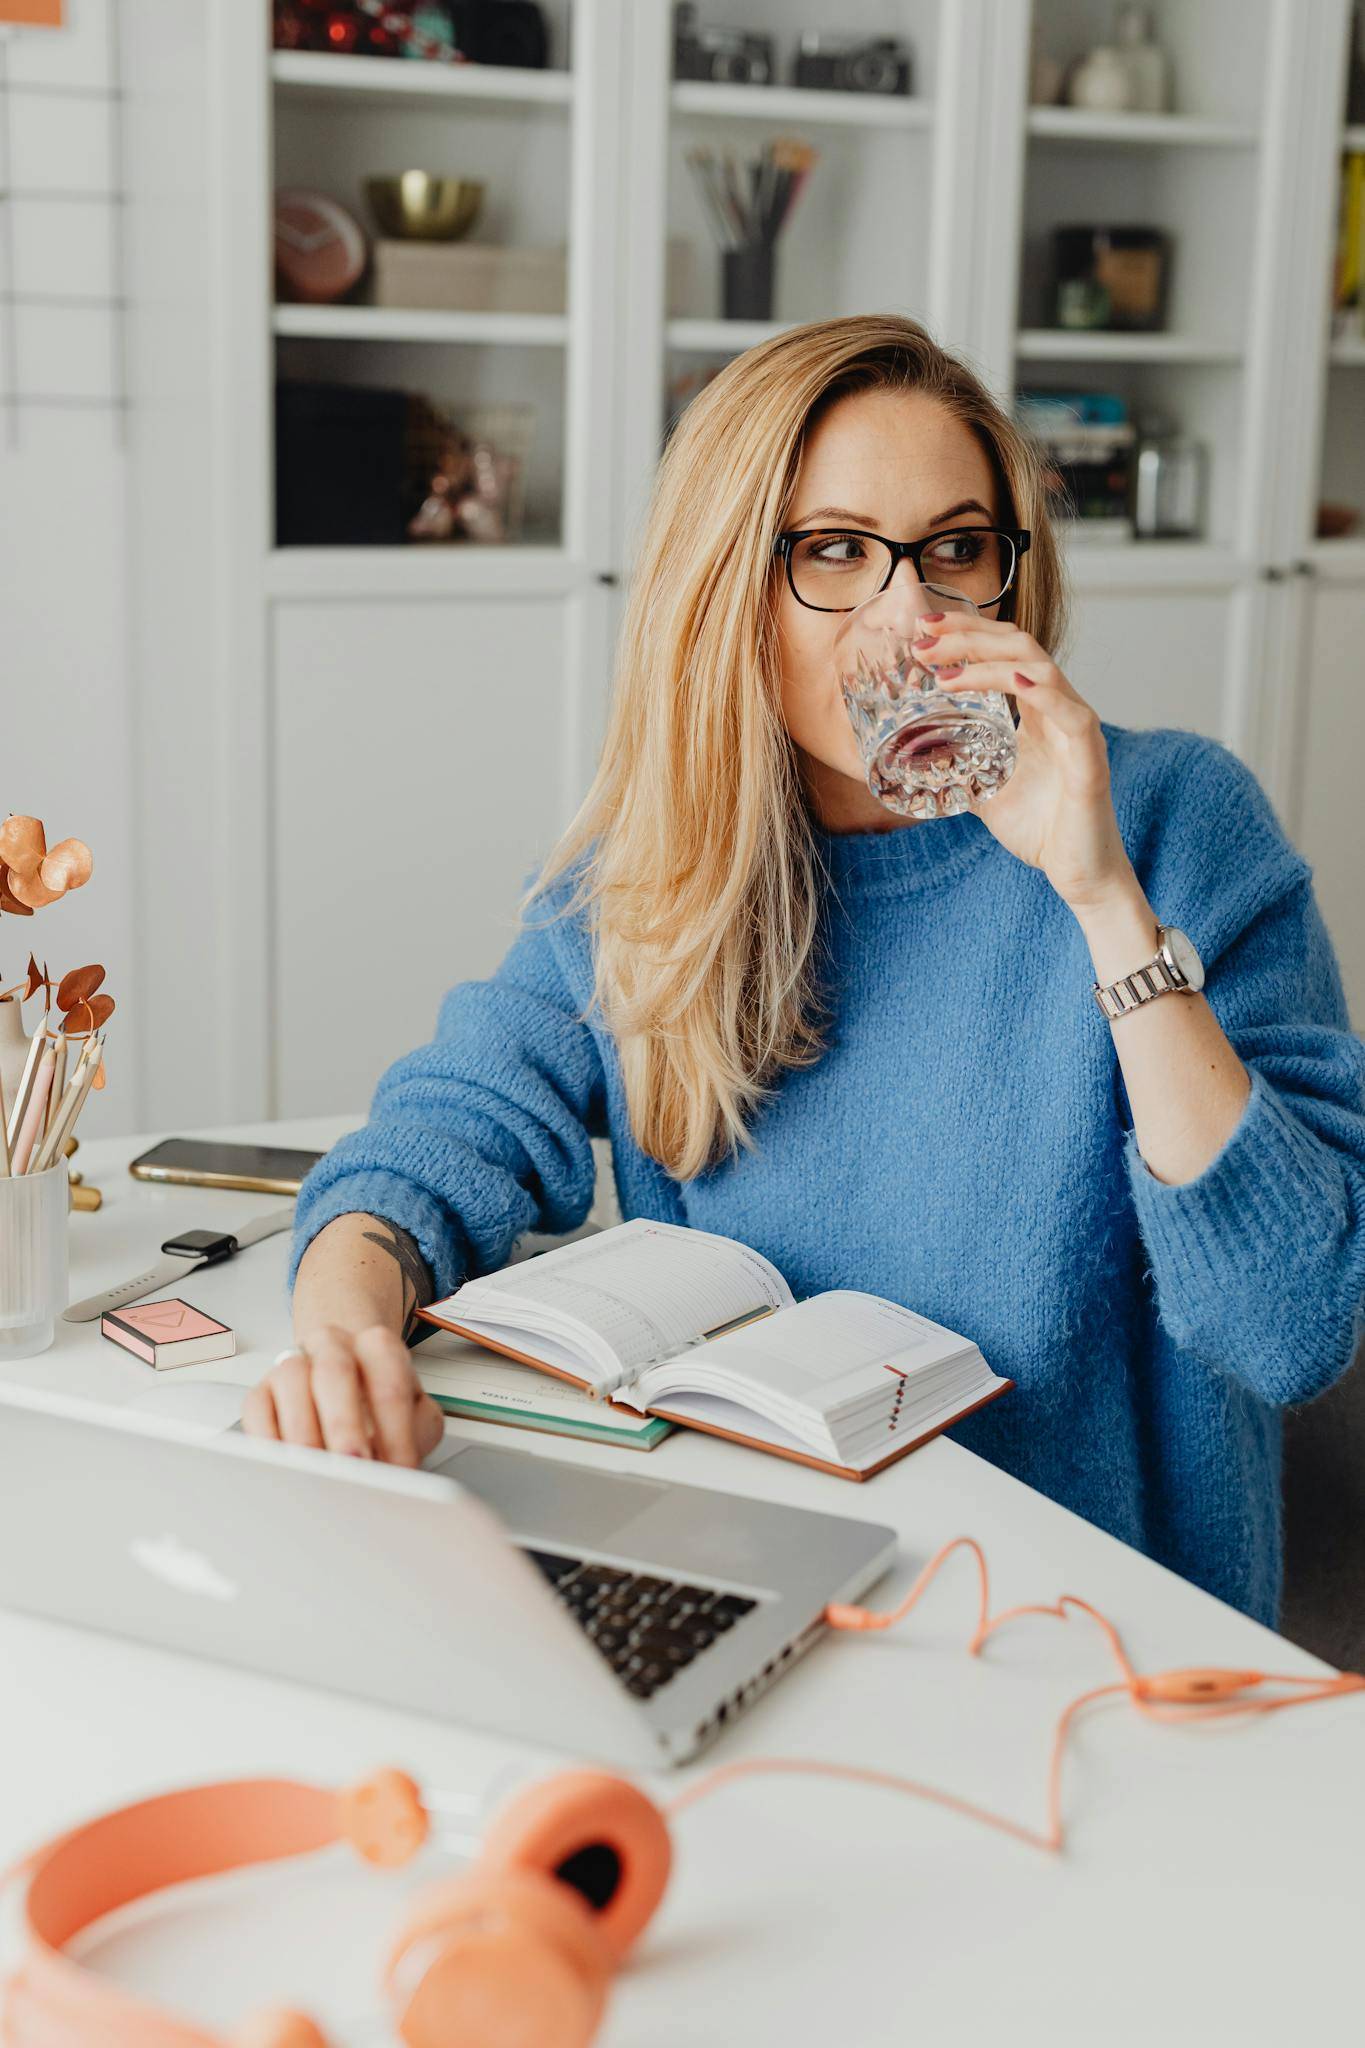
[853, 63]
[728, 55]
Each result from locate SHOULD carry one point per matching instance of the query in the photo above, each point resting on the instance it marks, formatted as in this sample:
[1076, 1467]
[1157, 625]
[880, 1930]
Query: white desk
[1214, 1881]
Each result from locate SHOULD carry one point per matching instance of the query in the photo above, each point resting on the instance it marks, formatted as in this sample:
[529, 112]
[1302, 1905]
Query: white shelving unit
[1055, 345]
[1322, 729]
[778, 106]
[369, 572]
[1078, 124]
[402, 323]
[392, 735]
[384, 82]
[719, 337]
[335, 120]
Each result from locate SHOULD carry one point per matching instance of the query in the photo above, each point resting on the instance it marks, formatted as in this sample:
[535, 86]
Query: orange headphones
[519, 1951]
[516, 1953]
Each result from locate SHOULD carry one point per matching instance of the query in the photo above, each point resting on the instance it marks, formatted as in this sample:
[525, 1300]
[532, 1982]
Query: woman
[870, 1046]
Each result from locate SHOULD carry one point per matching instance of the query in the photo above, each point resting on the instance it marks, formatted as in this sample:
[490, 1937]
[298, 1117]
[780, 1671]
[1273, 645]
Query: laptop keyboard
[647, 1628]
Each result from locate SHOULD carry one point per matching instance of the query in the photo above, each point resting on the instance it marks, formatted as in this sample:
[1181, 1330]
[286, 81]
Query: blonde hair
[697, 870]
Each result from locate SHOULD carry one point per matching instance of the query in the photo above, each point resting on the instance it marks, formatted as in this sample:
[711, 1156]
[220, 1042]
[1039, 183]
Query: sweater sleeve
[480, 1135]
[1259, 1262]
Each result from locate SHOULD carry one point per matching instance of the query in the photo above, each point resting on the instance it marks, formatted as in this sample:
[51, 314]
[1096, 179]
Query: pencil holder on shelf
[33, 1263]
[748, 205]
[747, 281]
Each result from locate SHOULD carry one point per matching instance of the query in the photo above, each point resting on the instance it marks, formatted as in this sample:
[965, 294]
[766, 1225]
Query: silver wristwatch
[1177, 966]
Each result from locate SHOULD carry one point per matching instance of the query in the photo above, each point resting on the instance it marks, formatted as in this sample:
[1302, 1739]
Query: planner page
[731, 1418]
[643, 1291]
[825, 1356]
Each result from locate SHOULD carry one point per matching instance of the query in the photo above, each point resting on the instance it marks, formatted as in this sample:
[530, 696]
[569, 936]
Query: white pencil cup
[33, 1269]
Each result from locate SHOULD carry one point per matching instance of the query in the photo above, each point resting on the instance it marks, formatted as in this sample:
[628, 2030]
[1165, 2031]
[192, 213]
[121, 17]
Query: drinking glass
[927, 751]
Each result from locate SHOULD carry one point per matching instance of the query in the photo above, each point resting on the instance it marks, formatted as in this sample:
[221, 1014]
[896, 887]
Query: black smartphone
[209, 1163]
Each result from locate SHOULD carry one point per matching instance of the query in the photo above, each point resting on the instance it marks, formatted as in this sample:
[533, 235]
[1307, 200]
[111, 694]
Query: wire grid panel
[61, 217]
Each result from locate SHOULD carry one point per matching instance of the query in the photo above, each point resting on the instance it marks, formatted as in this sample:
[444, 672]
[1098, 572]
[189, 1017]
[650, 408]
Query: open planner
[699, 1329]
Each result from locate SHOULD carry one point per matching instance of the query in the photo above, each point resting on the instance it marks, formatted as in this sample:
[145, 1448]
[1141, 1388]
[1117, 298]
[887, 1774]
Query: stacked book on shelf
[1087, 440]
[1348, 284]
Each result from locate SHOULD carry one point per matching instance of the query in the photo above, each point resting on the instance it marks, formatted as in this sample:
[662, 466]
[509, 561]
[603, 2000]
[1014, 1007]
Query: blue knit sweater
[965, 1146]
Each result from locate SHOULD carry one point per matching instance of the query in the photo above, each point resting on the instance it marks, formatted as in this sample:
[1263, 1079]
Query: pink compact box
[164, 1333]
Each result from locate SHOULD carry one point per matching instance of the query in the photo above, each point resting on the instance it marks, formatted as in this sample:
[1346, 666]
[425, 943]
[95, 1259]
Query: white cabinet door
[1144, 658]
[1331, 814]
[419, 754]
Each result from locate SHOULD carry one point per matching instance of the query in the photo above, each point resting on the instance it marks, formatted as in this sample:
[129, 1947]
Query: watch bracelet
[1126, 985]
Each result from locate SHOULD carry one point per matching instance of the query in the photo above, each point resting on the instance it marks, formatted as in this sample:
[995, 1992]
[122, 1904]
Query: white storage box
[487, 277]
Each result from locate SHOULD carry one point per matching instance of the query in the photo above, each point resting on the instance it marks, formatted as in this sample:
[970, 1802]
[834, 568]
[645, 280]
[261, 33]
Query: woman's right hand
[347, 1382]
[354, 1392]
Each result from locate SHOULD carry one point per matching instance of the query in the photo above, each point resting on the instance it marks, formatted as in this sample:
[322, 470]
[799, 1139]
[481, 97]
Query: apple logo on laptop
[189, 1571]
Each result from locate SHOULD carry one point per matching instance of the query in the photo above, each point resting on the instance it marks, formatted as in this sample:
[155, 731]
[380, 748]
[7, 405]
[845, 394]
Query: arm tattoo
[417, 1284]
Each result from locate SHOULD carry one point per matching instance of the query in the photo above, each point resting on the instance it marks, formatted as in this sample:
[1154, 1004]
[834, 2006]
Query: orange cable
[1185, 1695]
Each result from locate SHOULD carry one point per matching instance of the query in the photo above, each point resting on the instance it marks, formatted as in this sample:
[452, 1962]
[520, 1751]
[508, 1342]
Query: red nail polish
[1027, 681]
[953, 668]
[933, 617]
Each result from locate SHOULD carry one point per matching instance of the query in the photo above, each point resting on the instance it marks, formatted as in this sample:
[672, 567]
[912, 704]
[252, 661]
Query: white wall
[65, 727]
[176, 486]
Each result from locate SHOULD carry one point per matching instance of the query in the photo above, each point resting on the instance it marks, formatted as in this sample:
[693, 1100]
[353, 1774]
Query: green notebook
[465, 1380]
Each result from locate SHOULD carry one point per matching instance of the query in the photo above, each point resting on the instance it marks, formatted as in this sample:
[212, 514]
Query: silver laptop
[613, 1615]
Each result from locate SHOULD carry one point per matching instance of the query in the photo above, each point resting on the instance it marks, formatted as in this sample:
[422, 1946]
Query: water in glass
[927, 751]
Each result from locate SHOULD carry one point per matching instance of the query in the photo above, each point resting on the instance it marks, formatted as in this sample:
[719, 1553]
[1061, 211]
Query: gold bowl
[416, 207]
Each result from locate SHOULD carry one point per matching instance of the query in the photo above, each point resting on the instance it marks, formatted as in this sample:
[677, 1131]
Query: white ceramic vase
[1100, 82]
[13, 1049]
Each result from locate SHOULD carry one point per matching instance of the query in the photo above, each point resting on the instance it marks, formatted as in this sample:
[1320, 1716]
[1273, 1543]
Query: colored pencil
[77, 1088]
[20, 1103]
[34, 1114]
[54, 1094]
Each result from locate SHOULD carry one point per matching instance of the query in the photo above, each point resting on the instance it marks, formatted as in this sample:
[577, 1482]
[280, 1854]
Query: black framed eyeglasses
[835, 569]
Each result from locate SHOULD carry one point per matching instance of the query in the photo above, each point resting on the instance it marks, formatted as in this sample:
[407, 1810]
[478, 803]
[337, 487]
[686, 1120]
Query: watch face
[198, 1243]
[1185, 957]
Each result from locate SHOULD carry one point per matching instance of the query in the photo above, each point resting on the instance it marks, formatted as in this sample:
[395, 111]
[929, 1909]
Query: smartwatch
[180, 1255]
[205, 1247]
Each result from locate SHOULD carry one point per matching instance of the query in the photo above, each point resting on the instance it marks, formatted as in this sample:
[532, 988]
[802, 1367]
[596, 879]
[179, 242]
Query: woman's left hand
[1056, 812]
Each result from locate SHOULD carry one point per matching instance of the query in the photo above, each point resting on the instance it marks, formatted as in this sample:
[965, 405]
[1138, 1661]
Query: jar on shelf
[1170, 483]
[1111, 278]
[1146, 63]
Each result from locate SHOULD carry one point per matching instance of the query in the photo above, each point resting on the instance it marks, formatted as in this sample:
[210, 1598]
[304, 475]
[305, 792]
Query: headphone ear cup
[505, 1960]
[597, 1835]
